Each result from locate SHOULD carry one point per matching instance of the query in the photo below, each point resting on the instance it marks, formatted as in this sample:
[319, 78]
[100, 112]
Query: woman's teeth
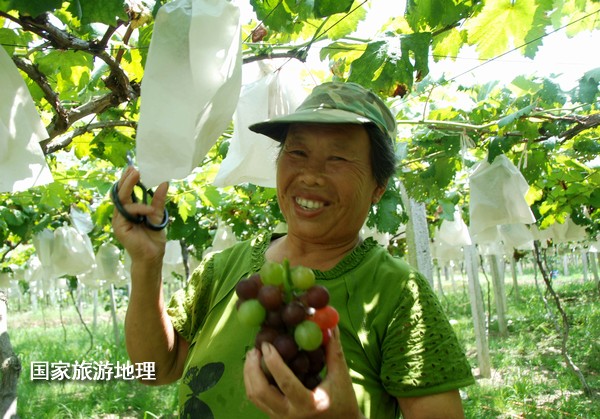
[308, 204]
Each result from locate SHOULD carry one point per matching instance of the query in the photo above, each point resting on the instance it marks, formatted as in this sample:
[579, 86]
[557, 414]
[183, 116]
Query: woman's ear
[378, 193]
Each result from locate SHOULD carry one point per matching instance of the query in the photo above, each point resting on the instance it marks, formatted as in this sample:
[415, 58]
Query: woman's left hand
[333, 398]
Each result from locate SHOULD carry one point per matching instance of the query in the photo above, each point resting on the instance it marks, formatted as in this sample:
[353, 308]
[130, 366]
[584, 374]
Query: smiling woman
[325, 184]
[393, 350]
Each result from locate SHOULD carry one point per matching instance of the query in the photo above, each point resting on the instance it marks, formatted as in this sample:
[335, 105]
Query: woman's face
[325, 182]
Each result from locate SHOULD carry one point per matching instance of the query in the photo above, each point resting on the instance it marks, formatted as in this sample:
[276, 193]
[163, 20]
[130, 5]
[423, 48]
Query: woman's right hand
[142, 243]
[333, 398]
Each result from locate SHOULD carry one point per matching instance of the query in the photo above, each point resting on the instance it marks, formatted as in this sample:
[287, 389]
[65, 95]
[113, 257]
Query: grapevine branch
[581, 123]
[61, 118]
[564, 331]
[122, 89]
[117, 81]
[64, 140]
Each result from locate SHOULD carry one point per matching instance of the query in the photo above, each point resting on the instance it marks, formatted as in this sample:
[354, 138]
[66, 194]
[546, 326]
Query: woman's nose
[313, 173]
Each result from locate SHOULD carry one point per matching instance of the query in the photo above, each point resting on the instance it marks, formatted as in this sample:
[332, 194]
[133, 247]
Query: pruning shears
[139, 194]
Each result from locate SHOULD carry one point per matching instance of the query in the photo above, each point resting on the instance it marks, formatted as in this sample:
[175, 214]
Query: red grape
[286, 346]
[271, 297]
[293, 313]
[311, 381]
[300, 364]
[326, 336]
[317, 359]
[247, 289]
[265, 334]
[326, 317]
[317, 296]
[274, 319]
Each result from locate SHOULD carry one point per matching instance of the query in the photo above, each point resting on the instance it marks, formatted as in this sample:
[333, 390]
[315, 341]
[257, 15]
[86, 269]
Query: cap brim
[277, 128]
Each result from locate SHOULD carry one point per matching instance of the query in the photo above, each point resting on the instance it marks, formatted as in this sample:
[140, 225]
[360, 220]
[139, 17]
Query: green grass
[46, 338]
[529, 376]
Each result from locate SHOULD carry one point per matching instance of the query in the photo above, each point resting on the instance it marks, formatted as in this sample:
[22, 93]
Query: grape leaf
[435, 13]
[323, 8]
[386, 216]
[499, 24]
[186, 206]
[339, 28]
[212, 195]
[588, 86]
[93, 11]
[9, 40]
[273, 15]
[383, 70]
[595, 198]
[537, 31]
[514, 116]
[500, 145]
[30, 7]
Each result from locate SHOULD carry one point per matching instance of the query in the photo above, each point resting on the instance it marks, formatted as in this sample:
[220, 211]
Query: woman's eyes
[303, 153]
[297, 152]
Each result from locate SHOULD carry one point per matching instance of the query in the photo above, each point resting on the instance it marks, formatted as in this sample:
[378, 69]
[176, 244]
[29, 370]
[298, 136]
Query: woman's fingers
[287, 382]
[158, 203]
[335, 354]
[154, 210]
[259, 391]
[128, 180]
[334, 397]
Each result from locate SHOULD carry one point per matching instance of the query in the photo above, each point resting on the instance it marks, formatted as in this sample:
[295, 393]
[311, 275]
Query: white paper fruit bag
[497, 196]
[22, 163]
[455, 232]
[108, 261]
[191, 86]
[72, 252]
[251, 156]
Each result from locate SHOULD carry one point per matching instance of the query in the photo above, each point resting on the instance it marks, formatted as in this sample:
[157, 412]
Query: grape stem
[287, 280]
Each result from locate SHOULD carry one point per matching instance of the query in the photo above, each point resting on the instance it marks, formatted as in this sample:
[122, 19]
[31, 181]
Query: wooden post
[565, 259]
[449, 275]
[598, 280]
[95, 302]
[477, 312]
[513, 270]
[438, 272]
[10, 366]
[584, 263]
[113, 311]
[499, 294]
[594, 267]
[417, 236]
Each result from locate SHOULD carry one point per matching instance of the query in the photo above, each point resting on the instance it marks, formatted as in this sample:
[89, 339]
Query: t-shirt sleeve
[421, 353]
[188, 306]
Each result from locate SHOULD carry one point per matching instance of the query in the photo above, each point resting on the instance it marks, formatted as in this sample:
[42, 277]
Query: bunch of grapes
[293, 314]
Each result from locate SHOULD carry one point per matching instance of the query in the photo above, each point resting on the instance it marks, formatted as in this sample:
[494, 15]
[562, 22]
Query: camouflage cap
[334, 103]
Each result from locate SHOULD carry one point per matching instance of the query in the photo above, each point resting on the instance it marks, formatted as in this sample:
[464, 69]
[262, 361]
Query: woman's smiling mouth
[308, 204]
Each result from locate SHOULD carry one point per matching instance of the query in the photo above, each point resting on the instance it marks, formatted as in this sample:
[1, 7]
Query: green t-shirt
[397, 341]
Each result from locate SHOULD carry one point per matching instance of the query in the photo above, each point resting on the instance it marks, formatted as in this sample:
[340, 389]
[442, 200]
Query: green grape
[308, 335]
[302, 277]
[272, 273]
[251, 313]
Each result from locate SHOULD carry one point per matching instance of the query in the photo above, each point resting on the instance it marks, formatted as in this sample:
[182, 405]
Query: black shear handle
[137, 219]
